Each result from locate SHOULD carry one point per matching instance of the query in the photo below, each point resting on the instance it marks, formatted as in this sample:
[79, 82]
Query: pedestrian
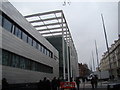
[83, 80]
[40, 85]
[77, 83]
[92, 81]
[58, 83]
[95, 81]
[46, 84]
[5, 85]
[54, 84]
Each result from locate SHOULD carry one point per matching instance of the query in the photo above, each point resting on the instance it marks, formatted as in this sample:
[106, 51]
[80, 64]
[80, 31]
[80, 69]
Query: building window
[13, 29]
[16, 31]
[34, 43]
[19, 32]
[5, 58]
[0, 20]
[33, 66]
[15, 61]
[39, 47]
[30, 40]
[22, 63]
[24, 37]
[43, 50]
[28, 64]
[7, 25]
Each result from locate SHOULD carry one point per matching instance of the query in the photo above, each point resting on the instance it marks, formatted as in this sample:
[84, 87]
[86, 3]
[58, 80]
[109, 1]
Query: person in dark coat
[54, 84]
[95, 81]
[58, 83]
[5, 85]
[77, 83]
[40, 85]
[45, 87]
[48, 84]
[92, 81]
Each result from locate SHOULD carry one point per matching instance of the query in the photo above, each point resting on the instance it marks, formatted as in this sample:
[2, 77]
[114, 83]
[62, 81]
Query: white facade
[17, 46]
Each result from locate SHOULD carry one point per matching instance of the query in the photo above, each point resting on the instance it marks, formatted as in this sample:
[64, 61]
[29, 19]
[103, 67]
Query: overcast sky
[84, 21]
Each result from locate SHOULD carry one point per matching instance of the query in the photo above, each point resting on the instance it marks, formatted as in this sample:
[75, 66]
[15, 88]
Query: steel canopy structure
[52, 24]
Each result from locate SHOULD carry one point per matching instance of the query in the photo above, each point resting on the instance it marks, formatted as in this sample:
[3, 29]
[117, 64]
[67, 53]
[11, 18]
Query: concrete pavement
[87, 86]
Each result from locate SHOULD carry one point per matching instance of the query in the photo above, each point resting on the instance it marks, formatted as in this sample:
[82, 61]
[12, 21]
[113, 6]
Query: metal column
[63, 48]
[67, 57]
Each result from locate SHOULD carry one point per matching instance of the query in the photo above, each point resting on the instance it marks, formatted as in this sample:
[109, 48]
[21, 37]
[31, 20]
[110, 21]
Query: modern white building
[26, 55]
[53, 26]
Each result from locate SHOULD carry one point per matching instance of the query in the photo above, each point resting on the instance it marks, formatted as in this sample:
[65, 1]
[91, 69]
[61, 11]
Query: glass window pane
[22, 63]
[0, 19]
[5, 57]
[24, 37]
[16, 31]
[7, 25]
[33, 66]
[19, 33]
[30, 40]
[43, 50]
[27, 64]
[39, 47]
[15, 61]
[34, 43]
[13, 29]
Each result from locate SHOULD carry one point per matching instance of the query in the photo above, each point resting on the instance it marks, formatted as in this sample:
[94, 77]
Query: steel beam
[50, 24]
[50, 29]
[46, 13]
[48, 19]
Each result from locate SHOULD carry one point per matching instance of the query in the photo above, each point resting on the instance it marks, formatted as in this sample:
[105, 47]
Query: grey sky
[84, 21]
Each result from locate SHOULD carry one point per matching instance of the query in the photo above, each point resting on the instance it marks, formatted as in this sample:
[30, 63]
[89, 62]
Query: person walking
[77, 83]
[5, 85]
[83, 81]
[46, 84]
[92, 81]
[40, 85]
[54, 84]
[95, 81]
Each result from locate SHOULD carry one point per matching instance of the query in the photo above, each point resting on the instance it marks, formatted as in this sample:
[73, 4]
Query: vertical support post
[63, 48]
[97, 60]
[67, 57]
[97, 54]
[93, 62]
[110, 72]
[71, 75]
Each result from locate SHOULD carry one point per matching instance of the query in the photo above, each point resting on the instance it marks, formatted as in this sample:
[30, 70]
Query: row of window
[12, 27]
[14, 60]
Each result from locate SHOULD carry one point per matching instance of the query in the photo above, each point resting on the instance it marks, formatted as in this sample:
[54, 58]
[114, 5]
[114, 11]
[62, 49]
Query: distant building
[83, 70]
[114, 59]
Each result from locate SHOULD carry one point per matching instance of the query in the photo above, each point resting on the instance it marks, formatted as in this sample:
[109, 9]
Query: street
[87, 86]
